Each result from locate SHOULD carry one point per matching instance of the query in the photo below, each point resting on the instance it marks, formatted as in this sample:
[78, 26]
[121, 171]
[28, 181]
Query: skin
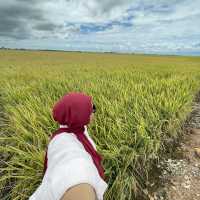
[91, 117]
[80, 192]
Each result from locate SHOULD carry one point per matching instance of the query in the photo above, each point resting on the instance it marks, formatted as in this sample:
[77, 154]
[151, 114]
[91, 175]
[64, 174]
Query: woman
[72, 167]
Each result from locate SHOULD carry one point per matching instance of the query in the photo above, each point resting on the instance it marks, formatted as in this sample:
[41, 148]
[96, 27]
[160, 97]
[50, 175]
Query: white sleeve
[69, 164]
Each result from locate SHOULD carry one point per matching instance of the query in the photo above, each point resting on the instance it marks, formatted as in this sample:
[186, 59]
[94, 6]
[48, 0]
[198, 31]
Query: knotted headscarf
[74, 110]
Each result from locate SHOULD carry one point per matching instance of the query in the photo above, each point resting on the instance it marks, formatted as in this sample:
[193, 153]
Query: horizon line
[101, 52]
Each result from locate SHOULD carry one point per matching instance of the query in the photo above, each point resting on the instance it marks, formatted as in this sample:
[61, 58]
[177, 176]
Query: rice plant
[142, 102]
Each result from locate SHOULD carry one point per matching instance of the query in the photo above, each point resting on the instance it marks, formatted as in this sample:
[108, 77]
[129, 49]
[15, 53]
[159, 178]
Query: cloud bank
[156, 26]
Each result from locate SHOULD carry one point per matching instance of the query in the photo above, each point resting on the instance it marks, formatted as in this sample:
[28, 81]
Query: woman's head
[74, 109]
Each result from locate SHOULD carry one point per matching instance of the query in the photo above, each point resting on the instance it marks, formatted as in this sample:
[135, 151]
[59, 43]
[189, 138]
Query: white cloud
[157, 25]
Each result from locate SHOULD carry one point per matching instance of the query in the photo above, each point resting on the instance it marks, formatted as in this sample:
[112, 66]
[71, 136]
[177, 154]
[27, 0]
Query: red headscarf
[74, 110]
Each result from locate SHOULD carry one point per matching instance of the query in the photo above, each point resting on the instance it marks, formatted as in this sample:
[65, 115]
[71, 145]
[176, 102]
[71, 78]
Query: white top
[69, 164]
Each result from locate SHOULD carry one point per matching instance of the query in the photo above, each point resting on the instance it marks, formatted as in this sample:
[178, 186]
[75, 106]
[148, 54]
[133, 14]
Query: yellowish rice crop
[142, 102]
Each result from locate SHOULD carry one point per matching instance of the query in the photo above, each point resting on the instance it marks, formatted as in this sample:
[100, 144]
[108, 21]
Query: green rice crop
[142, 102]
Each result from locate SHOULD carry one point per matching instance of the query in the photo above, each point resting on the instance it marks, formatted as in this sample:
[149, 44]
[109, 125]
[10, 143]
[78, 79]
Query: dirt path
[180, 177]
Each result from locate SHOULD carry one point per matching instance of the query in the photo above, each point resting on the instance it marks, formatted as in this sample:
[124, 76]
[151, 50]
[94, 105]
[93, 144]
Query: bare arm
[79, 192]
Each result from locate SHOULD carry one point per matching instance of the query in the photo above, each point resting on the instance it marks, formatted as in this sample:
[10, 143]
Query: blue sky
[140, 26]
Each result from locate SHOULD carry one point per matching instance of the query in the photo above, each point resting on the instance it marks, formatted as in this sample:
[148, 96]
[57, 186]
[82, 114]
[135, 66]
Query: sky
[125, 26]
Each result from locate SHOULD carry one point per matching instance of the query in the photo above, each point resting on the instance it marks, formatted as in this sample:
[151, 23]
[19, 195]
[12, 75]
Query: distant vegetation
[141, 103]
